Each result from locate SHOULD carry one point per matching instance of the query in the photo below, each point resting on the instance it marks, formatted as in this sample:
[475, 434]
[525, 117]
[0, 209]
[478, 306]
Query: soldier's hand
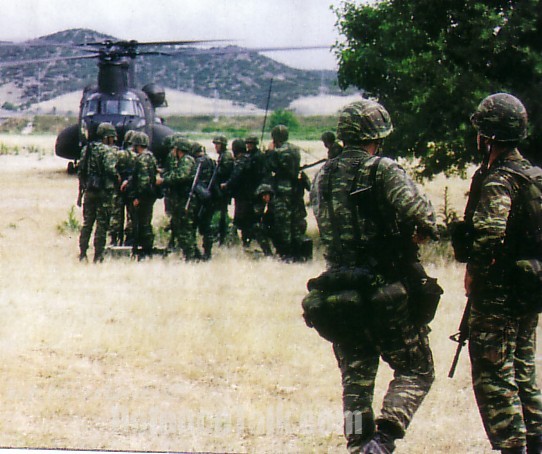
[271, 146]
[123, 185]
[159, 180]
[468, 283]
[136, 203]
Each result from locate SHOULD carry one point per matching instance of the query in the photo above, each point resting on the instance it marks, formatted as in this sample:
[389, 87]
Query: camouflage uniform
[141, 186]
[502, 339]
[178, 179]
[288, 204]
[363, 238]
[98, 162]
[205, 204]
[222, 200]
[121, 215]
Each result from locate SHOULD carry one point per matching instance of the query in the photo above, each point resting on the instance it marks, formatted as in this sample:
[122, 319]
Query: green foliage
[284, 117]
[9, 106]
[70, 225]
[431, 62]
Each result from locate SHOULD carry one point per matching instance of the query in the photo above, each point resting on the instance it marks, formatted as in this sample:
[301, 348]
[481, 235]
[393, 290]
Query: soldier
[224, 166]
[178, 179]
[283, 160]
[121, 231]
[242, 188]
[333, 147]
[502, 342]
[203, 191]
[97, 180]
[142, 192]
[370, 215]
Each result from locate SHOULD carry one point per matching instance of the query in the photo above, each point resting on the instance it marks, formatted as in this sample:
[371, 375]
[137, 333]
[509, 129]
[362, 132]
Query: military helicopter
[115, 98]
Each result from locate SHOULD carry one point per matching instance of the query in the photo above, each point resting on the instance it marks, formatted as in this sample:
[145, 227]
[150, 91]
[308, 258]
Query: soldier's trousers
[183, 227]
[121, 222]
[502, 353]
[144, 236]
[96, 209]
[407, 352]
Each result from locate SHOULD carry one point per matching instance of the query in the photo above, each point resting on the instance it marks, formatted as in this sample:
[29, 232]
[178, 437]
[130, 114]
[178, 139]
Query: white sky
[252, 23]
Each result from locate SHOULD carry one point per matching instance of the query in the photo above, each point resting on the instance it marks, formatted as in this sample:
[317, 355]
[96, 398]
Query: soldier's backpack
[523, 240]
[93, 168]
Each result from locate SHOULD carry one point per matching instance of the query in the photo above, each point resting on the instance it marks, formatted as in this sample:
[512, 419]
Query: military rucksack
[523, 240]
[92, 168]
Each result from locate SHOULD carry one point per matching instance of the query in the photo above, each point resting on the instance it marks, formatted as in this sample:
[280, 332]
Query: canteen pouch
[337, 316]
[527, 284]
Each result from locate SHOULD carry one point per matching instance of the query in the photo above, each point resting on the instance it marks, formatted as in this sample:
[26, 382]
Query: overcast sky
[252, 23]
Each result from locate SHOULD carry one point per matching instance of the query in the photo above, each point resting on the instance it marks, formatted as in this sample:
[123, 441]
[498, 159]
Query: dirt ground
[163, 355]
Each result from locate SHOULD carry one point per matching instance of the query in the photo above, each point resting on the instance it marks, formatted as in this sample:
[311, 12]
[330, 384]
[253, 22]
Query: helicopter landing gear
[72, 168]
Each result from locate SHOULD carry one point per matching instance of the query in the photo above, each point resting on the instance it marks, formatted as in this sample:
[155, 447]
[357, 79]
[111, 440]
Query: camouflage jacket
[241, 184]
[180, 175]
[143, 179]
[207, 169]
[225, 167]
[284, 163]
[97, 169]
[125, 162]
[491, 219]
[334, 150]
[368, 211]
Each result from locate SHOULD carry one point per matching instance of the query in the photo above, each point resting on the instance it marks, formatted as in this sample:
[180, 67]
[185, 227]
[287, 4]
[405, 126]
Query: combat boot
[83, 256]
[534, 444]
[516, 450]
[381, 443]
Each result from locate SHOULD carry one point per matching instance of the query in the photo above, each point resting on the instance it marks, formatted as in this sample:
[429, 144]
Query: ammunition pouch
[526, 279]
[424, 294]
[202, 193]
[336, 316]
[389, 307]
[462, 235]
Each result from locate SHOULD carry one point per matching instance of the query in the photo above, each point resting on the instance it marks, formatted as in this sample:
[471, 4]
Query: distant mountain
[239, 77]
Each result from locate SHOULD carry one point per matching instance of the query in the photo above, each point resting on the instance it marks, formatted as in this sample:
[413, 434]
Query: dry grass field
[161, 355]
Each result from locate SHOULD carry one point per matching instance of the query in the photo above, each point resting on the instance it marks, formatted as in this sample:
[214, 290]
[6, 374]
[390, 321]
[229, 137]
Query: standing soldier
[502, 331]
[370, 216]
[241, 187]
[283, 160]
[204, 215]
[141, 189]
[179, 180]
[97, 180]
[333, 147]
[121, 217]
[224, 167]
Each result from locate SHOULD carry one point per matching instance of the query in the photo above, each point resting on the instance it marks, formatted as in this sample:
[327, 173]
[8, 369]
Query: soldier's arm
[489, 221]
[410, 204]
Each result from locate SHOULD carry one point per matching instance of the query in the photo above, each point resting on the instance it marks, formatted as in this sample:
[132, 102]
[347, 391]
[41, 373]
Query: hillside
[228, 75]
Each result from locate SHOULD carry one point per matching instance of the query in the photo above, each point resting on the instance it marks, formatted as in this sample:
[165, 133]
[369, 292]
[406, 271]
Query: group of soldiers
[120, 185]
[374, 300]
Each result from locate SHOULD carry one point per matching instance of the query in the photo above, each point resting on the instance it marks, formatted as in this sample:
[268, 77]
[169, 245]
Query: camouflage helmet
[106, 130]
[129, 136]
[221, 139]
[252, 139]
[197, 148]
[501, 117]
[182, 144]
[327, 137]
[238, 146]
[362, 121]
[141, 139]
[280, 133]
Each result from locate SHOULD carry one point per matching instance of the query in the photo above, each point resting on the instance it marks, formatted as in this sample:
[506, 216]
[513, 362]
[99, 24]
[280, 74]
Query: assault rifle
[193, 187]
[308, 166]
[461, 338]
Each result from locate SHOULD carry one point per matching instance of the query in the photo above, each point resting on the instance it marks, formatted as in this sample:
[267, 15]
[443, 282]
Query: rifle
[266, 108]
[193, 187]
[83, 174]
[308, 166]
[460, 337]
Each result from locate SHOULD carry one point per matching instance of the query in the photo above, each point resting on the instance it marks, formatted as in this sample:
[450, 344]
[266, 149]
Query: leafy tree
[430, 62]
[283, 117]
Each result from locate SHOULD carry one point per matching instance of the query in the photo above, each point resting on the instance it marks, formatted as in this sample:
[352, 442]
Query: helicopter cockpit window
[90, 108]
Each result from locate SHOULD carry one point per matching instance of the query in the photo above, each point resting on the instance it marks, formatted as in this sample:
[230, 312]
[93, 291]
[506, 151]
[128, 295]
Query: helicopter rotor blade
[8, 64]
[231, 50]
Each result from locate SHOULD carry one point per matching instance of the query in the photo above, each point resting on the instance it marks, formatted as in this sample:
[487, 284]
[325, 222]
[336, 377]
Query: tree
[284, 117]
[430, 62]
